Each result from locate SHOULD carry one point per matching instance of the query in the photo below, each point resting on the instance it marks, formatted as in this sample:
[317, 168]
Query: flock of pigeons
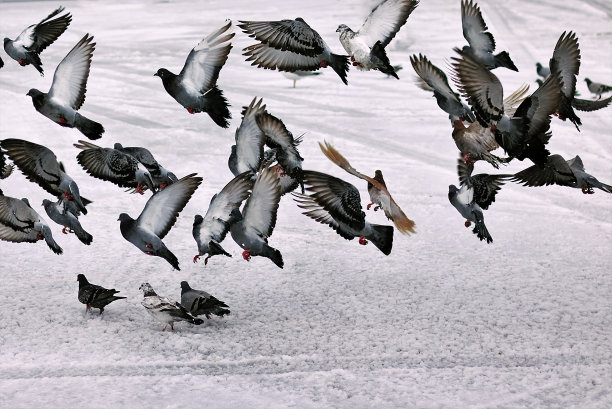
[265, 159]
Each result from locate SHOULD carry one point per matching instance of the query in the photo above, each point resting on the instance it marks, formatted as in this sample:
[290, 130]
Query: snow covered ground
[445, 321]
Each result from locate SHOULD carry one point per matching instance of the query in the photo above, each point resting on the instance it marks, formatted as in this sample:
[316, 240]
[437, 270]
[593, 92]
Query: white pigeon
[298, 75]
[165, 309]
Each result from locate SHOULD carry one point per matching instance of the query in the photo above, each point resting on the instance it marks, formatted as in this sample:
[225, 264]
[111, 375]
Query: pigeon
[542, 71]
[5, 169]
[337, 203]
[20, 223]
[67, 92]
[165, 309]
[195, 87]
[161, 176]
[291, 45]
[475, 195]
[437, 82]
[252, 228]
[26, 48]
[379, 195]
[60, 215]
[565, 62]
[298, 75]
[481, 42]
[40, 165]
[209, 231]
[115, 166]
[247, 153]
[158, 217]
[597, 88]
[95, 296]
[1, 63]
[199, 302]
[558, 171]
[366, 47]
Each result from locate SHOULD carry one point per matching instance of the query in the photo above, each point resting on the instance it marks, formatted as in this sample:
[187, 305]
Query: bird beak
[156, 75]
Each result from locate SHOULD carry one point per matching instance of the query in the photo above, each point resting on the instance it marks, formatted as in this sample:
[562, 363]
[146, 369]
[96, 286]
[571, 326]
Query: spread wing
[17, 215]
[385, 21]
[260, 210]
[47, 31]
[433, 76]
[475, 28]
[265, 56]
[249, 139]
[541, 105]
[566, 62]
[295, 36]
[108, 164]
[556, 171]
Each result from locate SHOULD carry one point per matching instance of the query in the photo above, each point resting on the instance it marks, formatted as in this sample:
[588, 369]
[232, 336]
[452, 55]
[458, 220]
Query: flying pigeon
[5, 169]
[165, 309]
[597, 88]
[95, 296]
[542, 71]
[160, 175]
[60, 215]
[209, 231]
[158, 217]
[199, 302]
[298, 75]
[195, 87]
[26, 48]
[366, 47]
[337, 203]
[40, 165]
[247, 153]
[115, 166]
[67, 92]
[558, 171]
[475, 195]
[379, 195]
[20, 223]
[481, 42]
[255, 225]
[291, 45]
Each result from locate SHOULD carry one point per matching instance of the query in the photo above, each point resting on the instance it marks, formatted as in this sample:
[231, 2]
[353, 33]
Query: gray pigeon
[40, 165]
[597, 88]
[199, 302]
[67, 92]
[542, 71]
[481, 42]
[298, 75]
[209, 231]
[165, 309]
[366, 47]
[60, 215]
[255, 225]
[247, 153]
[20, 223]
[195, 87]
[558, 171]
[158, 217]
[95, 296]
[115, 166]
[26, 48]
[161, 176]
[337, 203]
[5, 169]
[291, 45]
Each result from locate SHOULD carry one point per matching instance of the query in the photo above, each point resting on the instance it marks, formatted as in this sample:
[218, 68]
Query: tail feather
[89, 128]
[503, 60]
[480, 230]
[589, 105]
[567, 112]
[274, 255]
[82, 235]
[382, 238]
[217, 107]
[170, 258]
[379, 52]
[340, 64]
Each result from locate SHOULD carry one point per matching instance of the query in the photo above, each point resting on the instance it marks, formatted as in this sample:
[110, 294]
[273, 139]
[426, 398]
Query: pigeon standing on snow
[160, 175]
[337, 203]
[291, 45]
[597, 88]
[158, 217]
[366, 47]
[481, 42]
[165, 309]
[255, 225]
[67, 92]
[195, 87]
[60, 215]
[26, 48]
[95, 296]
[199, 302]
[298, 75]
[209, 231]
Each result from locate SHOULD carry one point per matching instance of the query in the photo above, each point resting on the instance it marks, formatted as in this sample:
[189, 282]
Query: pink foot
[370, 205]
[196, 258]
[139, 189]
[162, 185]
[246, 255]
[467, 223]
[363, 241]
[22, 62]
[191, 111]
[323, 64]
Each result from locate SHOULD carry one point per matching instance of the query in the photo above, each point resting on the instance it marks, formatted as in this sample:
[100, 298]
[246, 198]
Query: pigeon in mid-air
[597, 88]
[195, 87]
[40, 165]
[291, 45]
[337, 203]
[199, 302]
[165, 309]
[158, 217]
[115, 166]
[95, 296]
[209, 231]
[481, 42]
[67, 92]
[26, 48]
[298, 75]
[20, 223]
[366, 47]
[161, 176]
[247, 153]
[476, 193]
[558, 171]
[62, 216]
[379, 195]
[252, 228]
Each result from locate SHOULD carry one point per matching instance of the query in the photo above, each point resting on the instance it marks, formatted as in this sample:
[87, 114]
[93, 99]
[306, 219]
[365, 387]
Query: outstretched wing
[260, 210]
[108, 164]
[385, 21]
[433, 76]
[295, 36]
[556, 171]
[566, 62]
[47, 31]
[475, 28]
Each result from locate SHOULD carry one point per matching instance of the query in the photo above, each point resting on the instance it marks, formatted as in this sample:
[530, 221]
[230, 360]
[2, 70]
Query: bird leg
[22, 62]
[139, 189]
[207, 315]
[62, 121]
[191, 111]
[467, 159]
[369, 205]
[69, 230]
[196, 258]
[587, 190]
[162, 185]
[467, 223]
[164, 330]
[39, 236]
[101, 311]
[376, 207]
[206, 259]
[246, 255]
[323, 64]
[278, 169]
[363, 241]
[68, 196]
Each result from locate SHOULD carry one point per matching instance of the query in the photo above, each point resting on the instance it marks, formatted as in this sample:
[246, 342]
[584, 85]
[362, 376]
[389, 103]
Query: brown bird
[379, 195]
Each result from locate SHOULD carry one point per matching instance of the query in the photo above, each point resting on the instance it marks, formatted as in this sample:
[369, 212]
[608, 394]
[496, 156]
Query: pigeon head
[185, 286]
[588, 81]
[538, 66]
[6, 40]
[117, 146]
[162, 73]
[124, 217]
[147, 289]
[46, 203]
[452, 191]
[82, 280]
[343, 28]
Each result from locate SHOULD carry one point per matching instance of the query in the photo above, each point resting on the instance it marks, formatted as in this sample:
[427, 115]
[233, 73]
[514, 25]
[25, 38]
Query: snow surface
[445, 321]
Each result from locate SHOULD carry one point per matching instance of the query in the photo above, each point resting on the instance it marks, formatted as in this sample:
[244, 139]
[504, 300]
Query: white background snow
[445, 321]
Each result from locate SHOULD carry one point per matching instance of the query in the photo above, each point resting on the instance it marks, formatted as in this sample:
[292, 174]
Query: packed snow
[445, 321]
